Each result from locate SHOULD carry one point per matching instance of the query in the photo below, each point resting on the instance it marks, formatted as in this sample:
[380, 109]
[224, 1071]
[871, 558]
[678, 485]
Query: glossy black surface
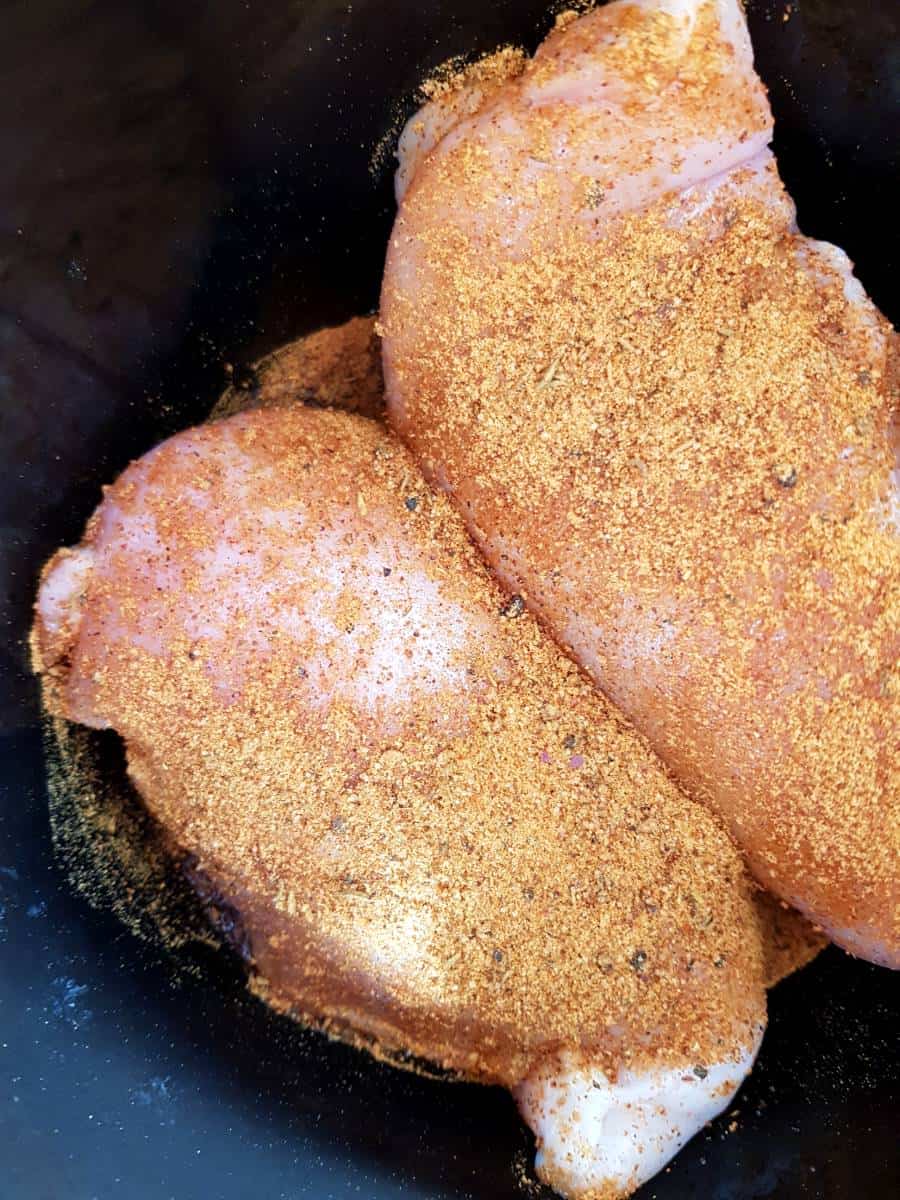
[183, 186]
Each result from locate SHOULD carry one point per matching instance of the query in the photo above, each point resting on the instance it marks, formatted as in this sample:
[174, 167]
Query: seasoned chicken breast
[667, 419]
[439, 838]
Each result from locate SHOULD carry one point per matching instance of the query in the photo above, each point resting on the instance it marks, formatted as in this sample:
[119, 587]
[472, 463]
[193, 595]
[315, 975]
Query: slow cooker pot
[185, 187]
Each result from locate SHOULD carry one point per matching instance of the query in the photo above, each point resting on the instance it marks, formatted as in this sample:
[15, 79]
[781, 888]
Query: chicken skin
[669, 421]
[440, 839]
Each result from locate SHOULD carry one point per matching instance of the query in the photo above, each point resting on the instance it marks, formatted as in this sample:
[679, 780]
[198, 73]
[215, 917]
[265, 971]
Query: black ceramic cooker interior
[185, 185]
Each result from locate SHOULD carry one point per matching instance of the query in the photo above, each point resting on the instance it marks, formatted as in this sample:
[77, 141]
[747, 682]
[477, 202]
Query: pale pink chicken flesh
[668, 421]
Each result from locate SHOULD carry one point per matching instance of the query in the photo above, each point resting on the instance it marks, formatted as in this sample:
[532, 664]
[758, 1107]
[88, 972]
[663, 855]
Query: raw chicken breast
[439, 838]
[666, 417]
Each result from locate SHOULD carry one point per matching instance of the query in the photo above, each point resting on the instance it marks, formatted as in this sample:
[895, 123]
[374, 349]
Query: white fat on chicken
[602, 1136]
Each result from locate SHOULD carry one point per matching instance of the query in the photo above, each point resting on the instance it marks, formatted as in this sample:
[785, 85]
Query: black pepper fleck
[514, 607]
[785, 474]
